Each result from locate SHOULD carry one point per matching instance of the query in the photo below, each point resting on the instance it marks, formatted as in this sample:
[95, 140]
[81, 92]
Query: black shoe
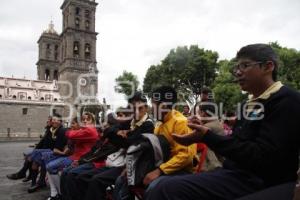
[35, 188]
[26, 179]
[15, 176]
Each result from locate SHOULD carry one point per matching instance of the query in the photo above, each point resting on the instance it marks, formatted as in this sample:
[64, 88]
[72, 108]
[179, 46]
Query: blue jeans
[79, 168]
[54, 166]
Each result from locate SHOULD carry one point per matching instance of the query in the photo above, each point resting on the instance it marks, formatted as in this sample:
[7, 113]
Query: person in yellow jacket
[170, 121]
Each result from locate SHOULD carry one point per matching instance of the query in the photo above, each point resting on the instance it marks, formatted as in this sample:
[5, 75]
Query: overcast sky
[134, 34]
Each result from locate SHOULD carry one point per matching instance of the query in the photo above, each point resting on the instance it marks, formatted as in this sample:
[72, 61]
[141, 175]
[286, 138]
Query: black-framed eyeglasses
[243, 66]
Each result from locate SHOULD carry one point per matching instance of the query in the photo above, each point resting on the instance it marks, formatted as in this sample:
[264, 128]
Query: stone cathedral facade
[67, 74]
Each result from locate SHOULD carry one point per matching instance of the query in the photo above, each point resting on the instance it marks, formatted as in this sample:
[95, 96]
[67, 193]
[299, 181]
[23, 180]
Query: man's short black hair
[58, 116]
[138, 96]
[206, 90]
[165, 94]
[260, 53]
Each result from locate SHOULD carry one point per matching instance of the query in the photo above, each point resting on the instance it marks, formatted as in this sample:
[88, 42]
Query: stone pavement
[11, 160]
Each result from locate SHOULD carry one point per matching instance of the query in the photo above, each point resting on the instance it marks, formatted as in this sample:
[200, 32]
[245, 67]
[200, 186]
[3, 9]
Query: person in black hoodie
[263, 150]
[53, 142]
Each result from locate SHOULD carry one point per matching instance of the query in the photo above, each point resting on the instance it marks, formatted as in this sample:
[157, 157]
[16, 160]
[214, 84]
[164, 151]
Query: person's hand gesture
[122, 133]
[199, 130]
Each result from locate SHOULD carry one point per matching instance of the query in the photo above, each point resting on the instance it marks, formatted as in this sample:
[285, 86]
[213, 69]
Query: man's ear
[269, 67]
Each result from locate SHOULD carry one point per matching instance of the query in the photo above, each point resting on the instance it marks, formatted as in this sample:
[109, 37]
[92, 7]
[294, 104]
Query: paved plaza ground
[11, 159]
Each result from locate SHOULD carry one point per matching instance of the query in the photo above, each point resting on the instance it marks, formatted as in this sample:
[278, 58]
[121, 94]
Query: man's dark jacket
[267, 148]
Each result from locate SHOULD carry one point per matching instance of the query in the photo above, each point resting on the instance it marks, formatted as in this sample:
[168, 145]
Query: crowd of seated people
[149, 151]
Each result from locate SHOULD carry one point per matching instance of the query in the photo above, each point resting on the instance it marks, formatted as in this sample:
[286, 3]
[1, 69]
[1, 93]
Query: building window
[54, 111]
[55, 99]
[76, 49]
[56, 56]
[25, 111]
[77, 23]
[48, 46]
[22, 95]
[55, 75]
[14, 97]
[47, 74]
[87, 50]
[77, 11]
[56, 52]
[87, 13]
[48, 97]
[42, 99]
[29, 98]
[87, 25]
[0, 96]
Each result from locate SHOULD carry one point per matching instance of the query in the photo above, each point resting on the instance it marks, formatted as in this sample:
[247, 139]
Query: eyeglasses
[243, 66]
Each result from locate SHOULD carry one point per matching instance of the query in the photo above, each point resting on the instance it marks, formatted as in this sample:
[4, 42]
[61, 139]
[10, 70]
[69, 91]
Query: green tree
[127, 83]
[289, 66]
[186, 69]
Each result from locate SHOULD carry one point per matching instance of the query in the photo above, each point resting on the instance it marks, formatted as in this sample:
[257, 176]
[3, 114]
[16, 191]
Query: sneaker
[57, 197]
[26, 179]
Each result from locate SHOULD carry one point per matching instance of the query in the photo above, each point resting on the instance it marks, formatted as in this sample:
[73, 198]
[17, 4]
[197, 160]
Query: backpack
[144, 157]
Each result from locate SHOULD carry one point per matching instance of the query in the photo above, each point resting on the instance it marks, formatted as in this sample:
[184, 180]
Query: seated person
[53, 141]
[209, 116]
[91, 161]
[92, 185]
[83, 139]
[170, 121]
[262, 151]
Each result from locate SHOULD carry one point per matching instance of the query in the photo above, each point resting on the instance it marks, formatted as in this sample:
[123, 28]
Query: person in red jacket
[82, 139]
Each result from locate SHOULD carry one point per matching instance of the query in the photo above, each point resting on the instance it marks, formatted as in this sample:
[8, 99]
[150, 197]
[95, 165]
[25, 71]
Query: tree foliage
[127, 83]
[187, 69]
[289, 66]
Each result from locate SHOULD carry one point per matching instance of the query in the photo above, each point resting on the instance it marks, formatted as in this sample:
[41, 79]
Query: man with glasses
[261, 154]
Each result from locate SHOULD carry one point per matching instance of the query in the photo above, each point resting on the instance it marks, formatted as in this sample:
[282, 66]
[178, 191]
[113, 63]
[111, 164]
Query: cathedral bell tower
[78, 64]
[49, 54]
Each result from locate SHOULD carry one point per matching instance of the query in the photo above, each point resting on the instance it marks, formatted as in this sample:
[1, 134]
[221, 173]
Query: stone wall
[24, 120]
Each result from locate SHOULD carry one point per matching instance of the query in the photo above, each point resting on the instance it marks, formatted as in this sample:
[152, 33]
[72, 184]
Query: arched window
[55, 99]
[77, 22]
[87, 25]
[56, 52]
[77, 11]
[42, 98]
[55, 75]
[0, 96]
[87, 14]
[87, 50]
[76, 49]
[14, 97]
[29, 98]
[47, 74]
